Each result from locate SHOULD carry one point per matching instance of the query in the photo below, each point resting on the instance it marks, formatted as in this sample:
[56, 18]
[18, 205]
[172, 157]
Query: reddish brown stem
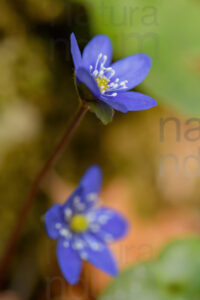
[21, 218]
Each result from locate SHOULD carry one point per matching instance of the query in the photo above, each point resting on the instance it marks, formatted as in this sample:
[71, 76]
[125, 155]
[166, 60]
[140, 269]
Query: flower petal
[52, 217]
[69, 261]
[102, 259]
[115, 103]
[99, 44]
[92, 180]
[86, 194]
[75, 51]
[130, 101]
[85, 77]
[112, 224]
[70, 201]
[133, 68]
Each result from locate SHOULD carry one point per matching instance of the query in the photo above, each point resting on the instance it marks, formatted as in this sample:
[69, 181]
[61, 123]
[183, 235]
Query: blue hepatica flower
[83, 229]
[110, 83]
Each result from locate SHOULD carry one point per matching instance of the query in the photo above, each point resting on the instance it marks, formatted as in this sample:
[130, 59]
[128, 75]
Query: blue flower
[110, 83]
[83, 229]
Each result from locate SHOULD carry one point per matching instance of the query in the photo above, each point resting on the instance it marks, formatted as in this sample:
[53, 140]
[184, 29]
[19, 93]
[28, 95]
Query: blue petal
[70, 201]
[92, 180]
[102, 259]
[70, 262]
[133, 68]
[75, 51]
[115, 225]
[129, 101]
[99, 44]
[118, 105]
[87, 192]
[85, 77]
[53, 216]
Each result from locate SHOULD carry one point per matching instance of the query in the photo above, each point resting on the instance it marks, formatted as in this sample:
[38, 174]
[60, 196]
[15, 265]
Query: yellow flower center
[102, 83]
[79, 223]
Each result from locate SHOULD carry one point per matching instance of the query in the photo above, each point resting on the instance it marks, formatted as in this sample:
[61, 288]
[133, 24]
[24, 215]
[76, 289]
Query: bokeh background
[150, 159]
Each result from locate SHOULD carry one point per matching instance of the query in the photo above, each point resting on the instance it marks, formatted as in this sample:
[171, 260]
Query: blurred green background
[150, 159]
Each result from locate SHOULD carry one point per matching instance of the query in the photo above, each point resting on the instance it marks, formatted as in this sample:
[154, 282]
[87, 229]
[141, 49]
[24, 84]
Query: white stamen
[112, 73]
[78, 245]
[105, 58]
[100, 56]
[58, 225]
[81, 207]
[95, 73]
[101, 73]
[84, 255]
[91, 217]
[103, 219]
[124, 82]
[108, 69]
[93, 244]
[103, 63]
[107, 73]
[68, 213]
[109, 238]
[96, 246]
[98, 59]
[77, 199]
[94, 228]
[66, 244]
[113, 85]
[65, 232]
[111, 95]
[92, 197]
[78, 204]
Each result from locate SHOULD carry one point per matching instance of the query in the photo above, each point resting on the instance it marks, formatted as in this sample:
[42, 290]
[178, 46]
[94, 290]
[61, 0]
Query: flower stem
[21, 218]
